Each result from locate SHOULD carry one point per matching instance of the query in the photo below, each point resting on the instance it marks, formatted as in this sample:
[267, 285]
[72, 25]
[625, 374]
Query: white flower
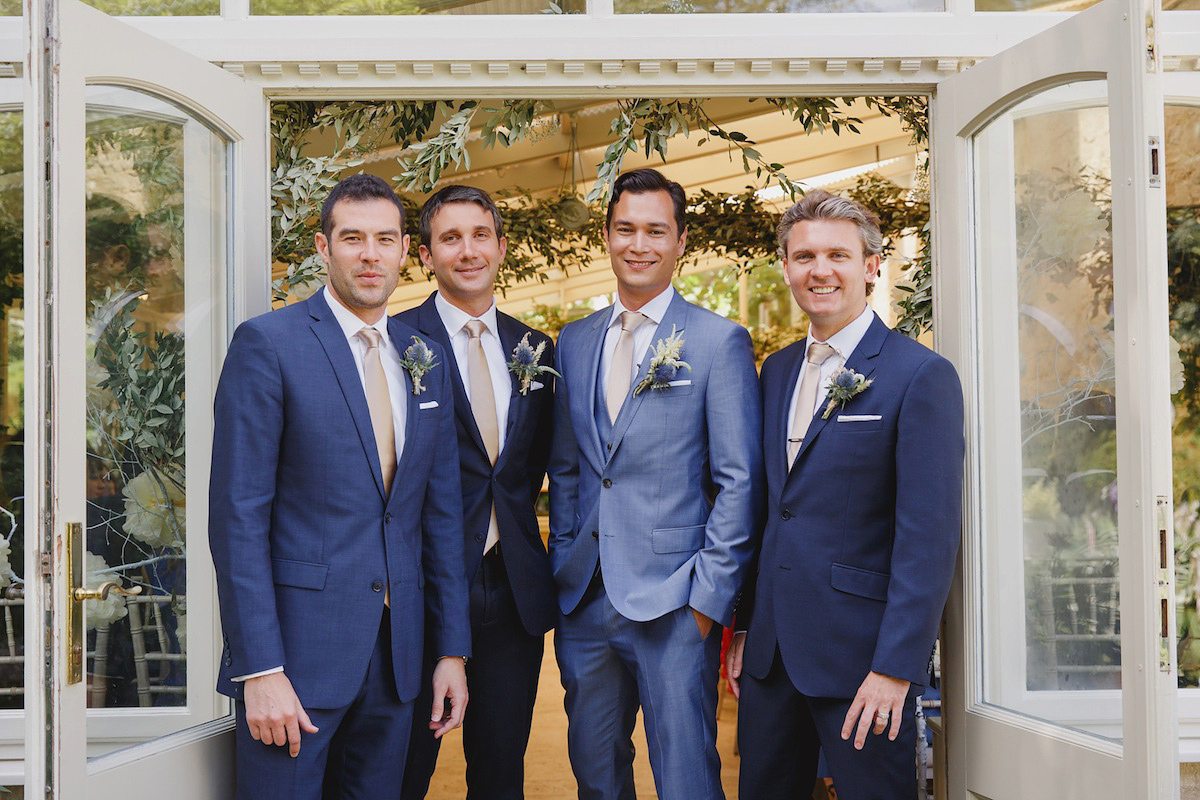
[152, 516]
[6, 573]
[100, 612]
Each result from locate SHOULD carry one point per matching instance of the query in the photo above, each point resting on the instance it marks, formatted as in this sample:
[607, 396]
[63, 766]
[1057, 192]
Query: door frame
[1147, 760]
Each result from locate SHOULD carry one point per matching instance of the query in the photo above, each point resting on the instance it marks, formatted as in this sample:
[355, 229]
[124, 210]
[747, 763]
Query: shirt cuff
[244, 678]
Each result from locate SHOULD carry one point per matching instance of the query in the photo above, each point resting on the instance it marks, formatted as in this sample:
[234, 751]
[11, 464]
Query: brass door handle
[102, 591]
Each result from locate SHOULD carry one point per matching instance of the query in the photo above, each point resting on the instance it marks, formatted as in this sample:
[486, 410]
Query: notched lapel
[782, 422]
[676, 317]
[510, 333]
[429, 321]
[327, 330]
[401, 340]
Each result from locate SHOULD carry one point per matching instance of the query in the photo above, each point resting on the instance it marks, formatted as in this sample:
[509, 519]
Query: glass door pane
[1045, 265]
[155, 276]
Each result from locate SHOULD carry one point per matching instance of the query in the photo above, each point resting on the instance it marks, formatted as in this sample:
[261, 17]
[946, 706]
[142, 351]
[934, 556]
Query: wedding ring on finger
[881, 717]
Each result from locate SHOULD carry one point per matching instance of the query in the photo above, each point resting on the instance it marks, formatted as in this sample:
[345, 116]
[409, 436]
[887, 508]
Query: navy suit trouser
[610, 665]
[781, 733]
[502, 681]
[358, 753]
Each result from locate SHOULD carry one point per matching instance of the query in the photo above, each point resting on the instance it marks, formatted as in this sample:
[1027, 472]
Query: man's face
[363, 254]
[828, 273]
[643, 245]
[464, 255]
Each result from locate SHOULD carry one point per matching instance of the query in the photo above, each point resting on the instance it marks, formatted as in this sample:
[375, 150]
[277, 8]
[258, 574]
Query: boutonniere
[418, 359]
[844, 385]
[525, 363]
[665, 363]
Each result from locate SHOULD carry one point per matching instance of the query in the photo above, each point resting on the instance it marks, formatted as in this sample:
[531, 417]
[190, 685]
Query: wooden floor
[547, 770]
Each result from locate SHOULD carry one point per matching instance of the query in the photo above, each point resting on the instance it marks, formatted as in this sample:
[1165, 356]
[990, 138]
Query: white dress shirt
[656, 309]
[397, 388]
[844, 342]
[455, 321]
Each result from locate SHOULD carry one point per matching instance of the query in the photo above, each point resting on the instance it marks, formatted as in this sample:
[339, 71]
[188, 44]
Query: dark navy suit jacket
[515, 481]
[302, 534]
[862, 534]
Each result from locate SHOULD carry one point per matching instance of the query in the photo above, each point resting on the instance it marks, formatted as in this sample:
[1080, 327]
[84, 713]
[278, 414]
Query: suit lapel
[337, 349]
[396, 332]
[862, 360]
[676, 317]
[592, 344]
[509, 331]
[782, 422]
[429, 322]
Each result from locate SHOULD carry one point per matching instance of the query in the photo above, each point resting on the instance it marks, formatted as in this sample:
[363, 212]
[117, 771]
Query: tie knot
[632, 320]
[819, 353]
[475, 328]
[371, 336]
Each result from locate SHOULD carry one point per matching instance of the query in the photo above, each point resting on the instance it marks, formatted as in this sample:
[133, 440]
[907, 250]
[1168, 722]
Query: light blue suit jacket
[670, 503]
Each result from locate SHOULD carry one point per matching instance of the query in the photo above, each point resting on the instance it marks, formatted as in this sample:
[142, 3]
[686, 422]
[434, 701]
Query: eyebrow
[630, 223]
[360, 232]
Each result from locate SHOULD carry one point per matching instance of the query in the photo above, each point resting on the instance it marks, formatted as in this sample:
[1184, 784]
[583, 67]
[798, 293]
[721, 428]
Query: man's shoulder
[898, 346]
[279, 319]
[783, 356]
[520, 328]
[576, 327]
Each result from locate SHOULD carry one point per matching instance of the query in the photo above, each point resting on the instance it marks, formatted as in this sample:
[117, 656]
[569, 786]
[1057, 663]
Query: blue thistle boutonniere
[665, 363]
[418, 359]
[844, 385]
[524, 363]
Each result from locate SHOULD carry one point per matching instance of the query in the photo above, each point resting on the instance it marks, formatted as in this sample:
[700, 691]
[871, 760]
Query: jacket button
[387, 517]
[595, 534]
[785, 514]
[377, 586]
[606, 483]
[479, 537]
[229, 661]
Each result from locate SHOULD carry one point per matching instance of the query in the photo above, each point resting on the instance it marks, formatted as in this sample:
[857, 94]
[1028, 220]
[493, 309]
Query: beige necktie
[380, 404]
[810, 381]
[483, 406]
[620, 369]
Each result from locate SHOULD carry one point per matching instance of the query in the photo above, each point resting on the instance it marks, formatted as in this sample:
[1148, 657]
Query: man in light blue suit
[863, 440]
[335, 520]
[655, 484]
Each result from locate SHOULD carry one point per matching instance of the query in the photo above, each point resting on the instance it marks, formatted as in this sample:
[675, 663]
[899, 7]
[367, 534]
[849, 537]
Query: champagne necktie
[620, 369]
[483, 407]
[379, 403]
[818, 354]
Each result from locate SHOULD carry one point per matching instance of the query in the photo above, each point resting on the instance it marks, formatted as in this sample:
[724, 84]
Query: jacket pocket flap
[677, 540]
[862, 582]
[301, 574]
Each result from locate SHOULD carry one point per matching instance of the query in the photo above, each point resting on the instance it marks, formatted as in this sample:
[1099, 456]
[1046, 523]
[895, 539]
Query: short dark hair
[356, 189]
[456, 193]
[640, 181]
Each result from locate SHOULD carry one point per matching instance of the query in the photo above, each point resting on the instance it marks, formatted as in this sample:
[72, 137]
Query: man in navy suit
[863, 441]
[503, 419]
[334, 519]
[655, 488]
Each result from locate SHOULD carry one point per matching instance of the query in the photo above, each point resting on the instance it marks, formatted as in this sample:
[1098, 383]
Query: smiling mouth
[823, 290]
[639, 264]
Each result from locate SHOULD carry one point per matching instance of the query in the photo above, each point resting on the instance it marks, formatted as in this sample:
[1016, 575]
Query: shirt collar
[656, 309]
[349, 321]
[455, 319]
[845, 340]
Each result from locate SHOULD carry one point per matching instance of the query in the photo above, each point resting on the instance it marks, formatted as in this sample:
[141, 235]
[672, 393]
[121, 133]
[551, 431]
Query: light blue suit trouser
[610, 665]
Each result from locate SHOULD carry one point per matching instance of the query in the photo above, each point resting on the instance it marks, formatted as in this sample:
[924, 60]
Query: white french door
[155, 216]
[1052, 301]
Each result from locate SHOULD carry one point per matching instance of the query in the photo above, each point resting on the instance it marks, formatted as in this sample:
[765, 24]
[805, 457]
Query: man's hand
[449, 695]
[273, 712]
[733, 663]
[704, 622]
[879, 701]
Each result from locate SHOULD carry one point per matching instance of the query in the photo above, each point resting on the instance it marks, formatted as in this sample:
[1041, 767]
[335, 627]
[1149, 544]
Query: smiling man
[503, 422]
[863, 441]
[655, 488]
[334, 521]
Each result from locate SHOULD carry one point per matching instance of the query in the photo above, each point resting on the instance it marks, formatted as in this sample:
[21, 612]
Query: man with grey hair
[863, 443]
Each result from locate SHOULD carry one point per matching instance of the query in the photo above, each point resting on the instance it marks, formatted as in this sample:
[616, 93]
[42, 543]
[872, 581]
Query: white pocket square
[535, 385]
[684, 382]
[859, 417]
[429, 404]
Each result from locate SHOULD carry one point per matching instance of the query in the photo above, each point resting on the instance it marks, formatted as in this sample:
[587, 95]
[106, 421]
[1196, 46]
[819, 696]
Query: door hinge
[1163, 581]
